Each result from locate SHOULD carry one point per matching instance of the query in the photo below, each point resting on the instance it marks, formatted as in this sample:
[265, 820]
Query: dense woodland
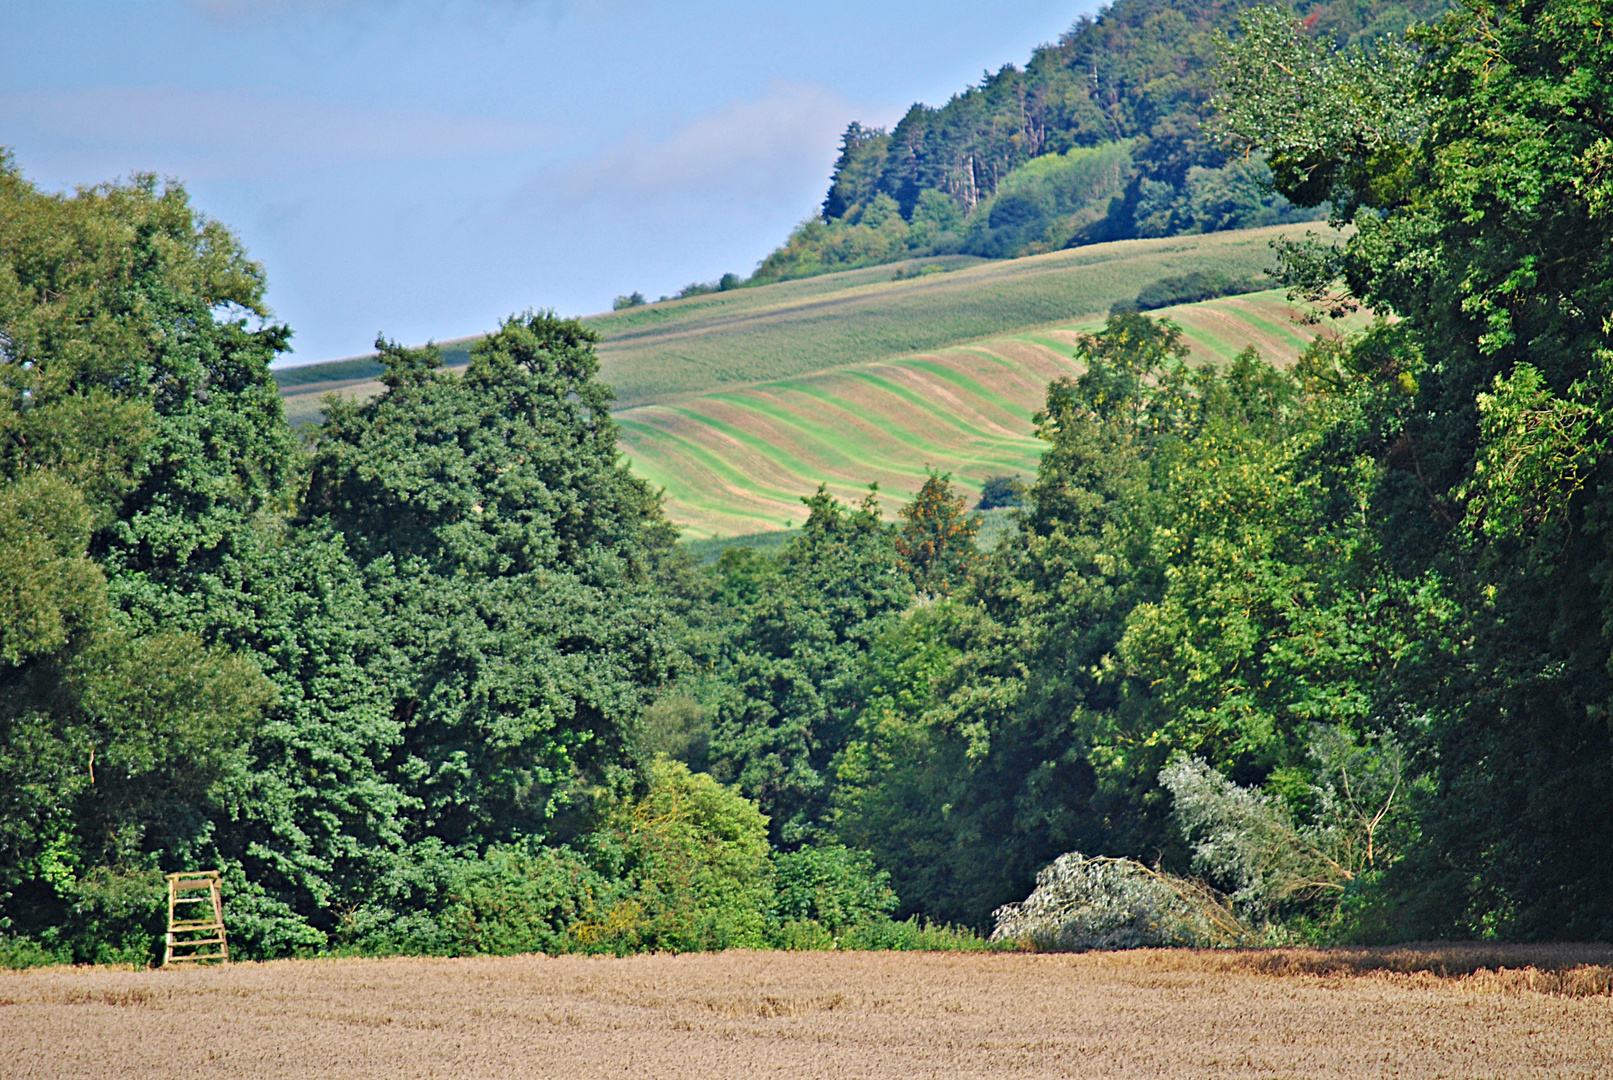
[1335, 642]
[1107, 134]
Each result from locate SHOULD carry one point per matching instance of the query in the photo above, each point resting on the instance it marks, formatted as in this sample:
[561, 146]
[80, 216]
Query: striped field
[738, 461]
[739, 403]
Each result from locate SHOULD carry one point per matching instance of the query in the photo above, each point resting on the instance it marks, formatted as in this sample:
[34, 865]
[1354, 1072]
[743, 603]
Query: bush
[17, 953]
[517, 900]
[112, 917]
[725, 283]
[693, 861]
[804, 936]
[630, 300]
[832, 886]
[1082, 903]
[1320, 868]
[884, 934]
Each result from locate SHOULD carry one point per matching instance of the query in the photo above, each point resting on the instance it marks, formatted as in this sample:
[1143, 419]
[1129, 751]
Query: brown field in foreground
[1446, 1012]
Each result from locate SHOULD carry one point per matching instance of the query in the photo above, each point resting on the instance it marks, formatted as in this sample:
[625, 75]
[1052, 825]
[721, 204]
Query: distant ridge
[358, 367]
[1104, 135]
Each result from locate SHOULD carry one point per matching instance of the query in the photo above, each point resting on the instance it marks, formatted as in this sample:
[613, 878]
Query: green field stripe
[828, 442]
[677, 484]
[715, 463]
[1053, 345]
[696, 502]
[1223, 344]
[903, 393]
[984, 351]
[821, 439]
[849, 469]
[749, 439]
[903, 436]
[928, 405]
[924, 405]
[880, 422]
[1233, 309]
[976, 389]
[1213, 344]
[1272, 328]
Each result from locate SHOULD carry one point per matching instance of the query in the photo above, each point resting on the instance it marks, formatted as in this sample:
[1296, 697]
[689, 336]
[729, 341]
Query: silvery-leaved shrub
[1252, 842]
[1083, 902]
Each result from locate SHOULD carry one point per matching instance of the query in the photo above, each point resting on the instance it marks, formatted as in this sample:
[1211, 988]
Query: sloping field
[737, 461]
[795, 327]
[739, 403]
[744, 1015]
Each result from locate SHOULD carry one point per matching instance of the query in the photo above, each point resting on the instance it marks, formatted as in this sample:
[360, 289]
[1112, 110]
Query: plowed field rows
[739, 460]
[739, 403]
[785, 1015]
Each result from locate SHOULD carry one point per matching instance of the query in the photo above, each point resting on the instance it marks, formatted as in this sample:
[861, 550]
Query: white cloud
[213, 133]
[762, 148]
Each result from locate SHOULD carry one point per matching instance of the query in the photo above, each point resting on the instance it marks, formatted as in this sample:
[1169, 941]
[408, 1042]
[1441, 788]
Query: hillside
[745, 336]
[738, 461]
[738, 403]
[1106, 134]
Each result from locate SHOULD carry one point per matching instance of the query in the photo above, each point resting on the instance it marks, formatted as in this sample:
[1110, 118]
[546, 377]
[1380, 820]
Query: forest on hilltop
[1106, 135]
[1311, 655]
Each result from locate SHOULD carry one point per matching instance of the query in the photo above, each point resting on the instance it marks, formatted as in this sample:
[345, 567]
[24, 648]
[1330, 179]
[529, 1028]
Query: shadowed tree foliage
[792, 683]
[140, 434]
[510, 558]
[1472, 160]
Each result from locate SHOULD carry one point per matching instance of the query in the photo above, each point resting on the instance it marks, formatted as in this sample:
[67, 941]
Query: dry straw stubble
[1146, 1013]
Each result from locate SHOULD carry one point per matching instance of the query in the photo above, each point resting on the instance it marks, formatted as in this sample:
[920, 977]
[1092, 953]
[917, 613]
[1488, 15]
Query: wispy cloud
[234, 10]
[235, 132]
[762, 148]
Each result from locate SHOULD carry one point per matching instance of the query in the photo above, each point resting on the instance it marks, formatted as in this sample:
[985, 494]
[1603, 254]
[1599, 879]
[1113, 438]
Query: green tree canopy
[510, 557]
[1471, 163]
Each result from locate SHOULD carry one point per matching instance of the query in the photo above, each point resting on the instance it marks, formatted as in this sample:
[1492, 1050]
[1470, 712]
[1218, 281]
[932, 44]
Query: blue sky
[425, 167]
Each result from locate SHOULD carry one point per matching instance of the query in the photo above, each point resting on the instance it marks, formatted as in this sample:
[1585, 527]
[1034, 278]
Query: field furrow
[737, 404]
[968, 410]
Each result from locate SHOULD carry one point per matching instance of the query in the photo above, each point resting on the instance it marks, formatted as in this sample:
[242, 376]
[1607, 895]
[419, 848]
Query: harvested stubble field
[1437, 1012]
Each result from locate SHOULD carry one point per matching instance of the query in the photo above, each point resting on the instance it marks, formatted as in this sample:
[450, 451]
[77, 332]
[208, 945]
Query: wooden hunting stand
[199, 939]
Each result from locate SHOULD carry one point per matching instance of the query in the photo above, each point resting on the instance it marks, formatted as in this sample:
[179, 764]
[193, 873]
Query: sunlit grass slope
[737, 460]
[738, 403]
[794, 328]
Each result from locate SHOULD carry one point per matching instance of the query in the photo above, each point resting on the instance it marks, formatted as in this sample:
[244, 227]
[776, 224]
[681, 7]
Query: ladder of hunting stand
[195, 935]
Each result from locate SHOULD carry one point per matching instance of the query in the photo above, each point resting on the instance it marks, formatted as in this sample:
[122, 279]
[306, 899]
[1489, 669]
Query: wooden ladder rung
[183, 949]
